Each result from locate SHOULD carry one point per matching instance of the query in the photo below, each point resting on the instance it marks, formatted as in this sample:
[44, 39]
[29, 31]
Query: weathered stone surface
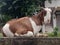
[30, 41]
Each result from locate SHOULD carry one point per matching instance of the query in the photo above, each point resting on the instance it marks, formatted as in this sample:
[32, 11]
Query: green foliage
[20, 8]
[4, 18]
[52, 34]
[55, 31]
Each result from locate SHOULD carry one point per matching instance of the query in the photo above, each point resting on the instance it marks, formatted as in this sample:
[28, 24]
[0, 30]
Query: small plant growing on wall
[55, 31]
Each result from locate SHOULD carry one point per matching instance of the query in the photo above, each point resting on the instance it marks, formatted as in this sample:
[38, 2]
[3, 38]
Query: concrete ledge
[30, 41]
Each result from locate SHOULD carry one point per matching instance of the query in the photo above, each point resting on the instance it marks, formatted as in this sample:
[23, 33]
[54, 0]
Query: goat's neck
[36, 19]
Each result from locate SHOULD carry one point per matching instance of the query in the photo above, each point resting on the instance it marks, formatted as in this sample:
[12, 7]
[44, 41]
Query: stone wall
[30, 41]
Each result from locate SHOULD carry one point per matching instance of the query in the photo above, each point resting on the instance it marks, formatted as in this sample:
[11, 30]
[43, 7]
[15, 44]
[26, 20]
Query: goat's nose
[48, 20]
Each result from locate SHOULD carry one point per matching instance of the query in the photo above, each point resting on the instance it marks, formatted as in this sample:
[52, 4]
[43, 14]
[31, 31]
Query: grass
[1, 35]
[49, 34]
[52, 34]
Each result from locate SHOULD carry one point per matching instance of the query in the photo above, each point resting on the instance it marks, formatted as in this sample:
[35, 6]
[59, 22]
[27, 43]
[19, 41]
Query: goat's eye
[45, 15]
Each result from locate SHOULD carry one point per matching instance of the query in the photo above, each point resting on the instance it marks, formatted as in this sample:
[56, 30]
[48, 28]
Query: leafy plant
[4, 19]
[20, 8]
[55, 31]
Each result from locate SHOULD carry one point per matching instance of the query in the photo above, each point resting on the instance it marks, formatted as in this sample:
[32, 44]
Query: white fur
[48, 9]
[16, 34]
[7, 31]
[29, 33]
[35, 27]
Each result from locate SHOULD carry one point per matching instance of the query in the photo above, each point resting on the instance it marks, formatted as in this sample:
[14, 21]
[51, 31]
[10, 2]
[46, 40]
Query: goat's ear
[44, 12]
